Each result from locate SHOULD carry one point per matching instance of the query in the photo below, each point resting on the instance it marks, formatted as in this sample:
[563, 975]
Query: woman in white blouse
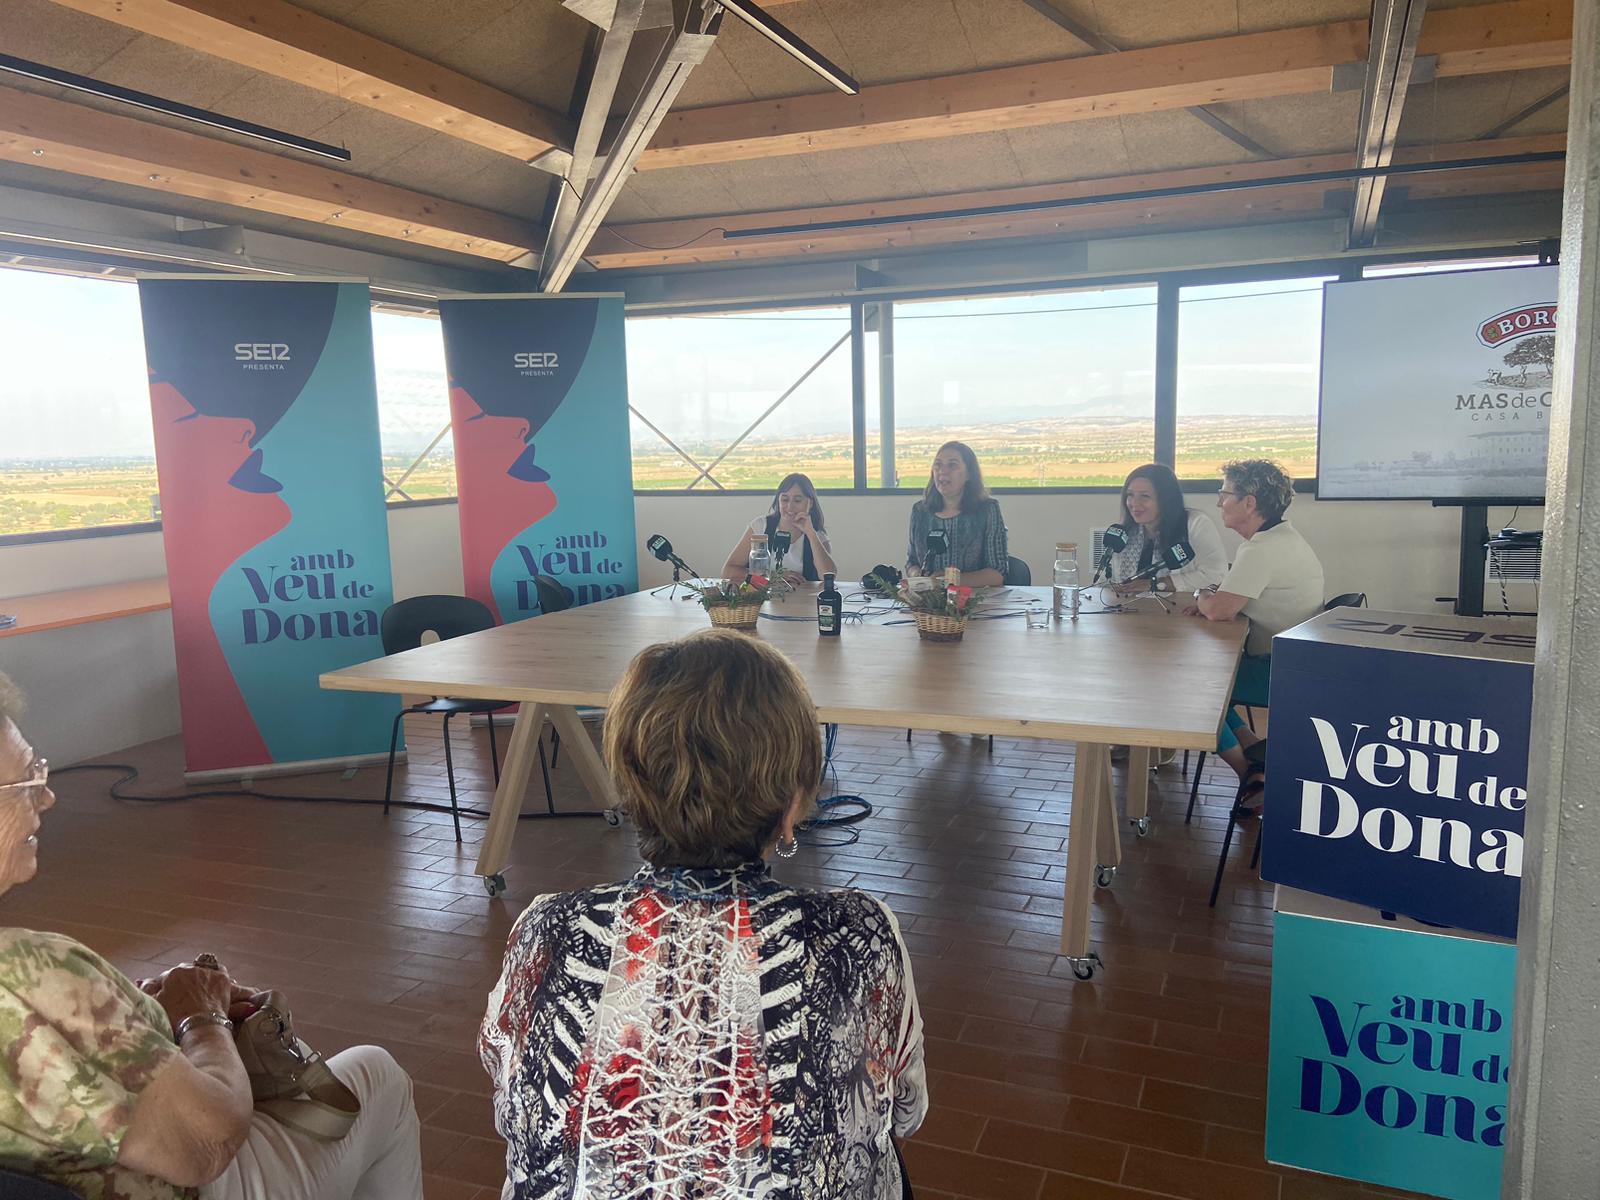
[1154, 517]
[797, 512]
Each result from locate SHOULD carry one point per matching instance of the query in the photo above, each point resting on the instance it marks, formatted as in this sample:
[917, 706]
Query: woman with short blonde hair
[703, 1030]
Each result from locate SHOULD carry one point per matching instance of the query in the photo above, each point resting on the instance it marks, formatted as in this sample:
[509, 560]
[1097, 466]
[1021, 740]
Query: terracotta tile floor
[1148, 1081]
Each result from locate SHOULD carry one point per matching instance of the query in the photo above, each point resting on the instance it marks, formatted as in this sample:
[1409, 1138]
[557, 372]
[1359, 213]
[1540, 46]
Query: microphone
[1174, 558]
[938, 545]
[1114, 540]
[780, 541]
[662, 549]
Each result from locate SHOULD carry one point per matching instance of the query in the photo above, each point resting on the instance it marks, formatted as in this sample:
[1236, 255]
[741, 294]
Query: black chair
[402, 628]
[1256, 755]
[1346, 600]
[1017, 573]
[16, 1186]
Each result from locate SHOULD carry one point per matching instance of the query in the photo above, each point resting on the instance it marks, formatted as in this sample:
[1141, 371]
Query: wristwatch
[205, 1018]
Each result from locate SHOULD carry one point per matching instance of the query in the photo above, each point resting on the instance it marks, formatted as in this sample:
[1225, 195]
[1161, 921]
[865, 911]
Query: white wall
[97, 688]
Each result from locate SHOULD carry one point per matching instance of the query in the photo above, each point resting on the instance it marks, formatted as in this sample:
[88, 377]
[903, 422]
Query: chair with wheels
[402, 628]
[1345, 600]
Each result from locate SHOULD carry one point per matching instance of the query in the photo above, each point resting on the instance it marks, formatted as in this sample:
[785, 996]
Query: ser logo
[1433, 633]
[535, 362]
[260, 352]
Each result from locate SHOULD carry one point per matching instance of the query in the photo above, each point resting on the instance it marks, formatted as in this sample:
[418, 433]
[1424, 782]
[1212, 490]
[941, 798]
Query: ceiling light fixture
[1196, 189]
[168, 108]
[785, 39]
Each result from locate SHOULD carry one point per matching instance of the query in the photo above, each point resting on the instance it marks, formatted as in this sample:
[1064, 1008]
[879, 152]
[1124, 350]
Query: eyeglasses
[1226, 492]
[38, 776]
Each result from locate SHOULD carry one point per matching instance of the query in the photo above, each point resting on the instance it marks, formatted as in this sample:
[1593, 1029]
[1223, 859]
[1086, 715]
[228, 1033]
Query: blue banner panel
[277, 540]
[544, 473]
[1397, 769]
[1390, 1055]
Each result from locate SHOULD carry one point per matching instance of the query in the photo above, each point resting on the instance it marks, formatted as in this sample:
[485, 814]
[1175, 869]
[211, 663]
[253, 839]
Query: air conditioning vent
[1507, 563]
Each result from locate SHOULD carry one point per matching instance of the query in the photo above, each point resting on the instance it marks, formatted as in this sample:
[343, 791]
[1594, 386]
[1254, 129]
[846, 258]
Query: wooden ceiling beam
[1505, 36]
[703, 240]
[44, 132]
[286, 42]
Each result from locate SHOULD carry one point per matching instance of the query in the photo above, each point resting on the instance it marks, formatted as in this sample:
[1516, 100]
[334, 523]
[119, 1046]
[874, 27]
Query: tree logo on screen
[1517, 381]
[1518, 322]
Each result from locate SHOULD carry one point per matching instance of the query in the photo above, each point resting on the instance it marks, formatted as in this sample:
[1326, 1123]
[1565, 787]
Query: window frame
[1167, 283]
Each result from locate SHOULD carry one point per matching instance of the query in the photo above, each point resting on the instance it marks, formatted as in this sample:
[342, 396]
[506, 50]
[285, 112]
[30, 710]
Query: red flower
[963, 593]
[759, 581]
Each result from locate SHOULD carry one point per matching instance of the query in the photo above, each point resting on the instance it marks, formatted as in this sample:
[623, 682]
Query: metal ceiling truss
[1521, 115]
[1104, 45]
[1396, 27]
[591, 182]
[693, 32]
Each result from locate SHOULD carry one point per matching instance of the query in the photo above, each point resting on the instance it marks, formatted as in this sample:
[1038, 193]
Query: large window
[739, 400]
[1249, 357]
[413, 407]
[76, 448]
[1050, 389]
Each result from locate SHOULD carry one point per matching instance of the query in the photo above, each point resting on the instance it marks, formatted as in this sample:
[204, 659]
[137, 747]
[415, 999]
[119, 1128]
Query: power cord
[836, 812]
[131, 773]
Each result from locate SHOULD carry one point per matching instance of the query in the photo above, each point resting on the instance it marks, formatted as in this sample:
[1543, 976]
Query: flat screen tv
[1437, 387]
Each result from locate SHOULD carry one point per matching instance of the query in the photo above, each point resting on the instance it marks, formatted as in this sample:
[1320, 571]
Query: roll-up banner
[277, 541]
[544, 475]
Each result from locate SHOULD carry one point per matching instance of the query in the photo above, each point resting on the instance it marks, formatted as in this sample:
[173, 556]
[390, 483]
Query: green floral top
[79, 1043]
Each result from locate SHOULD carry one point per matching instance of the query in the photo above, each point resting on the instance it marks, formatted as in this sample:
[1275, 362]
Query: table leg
[1139, 787]
[1082, 846]
[1107, 830]
[575, 739]
[521, 755]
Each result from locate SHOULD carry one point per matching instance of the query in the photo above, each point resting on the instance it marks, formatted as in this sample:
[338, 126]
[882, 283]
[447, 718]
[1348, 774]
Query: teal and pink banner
[277, 540]
[544, 474]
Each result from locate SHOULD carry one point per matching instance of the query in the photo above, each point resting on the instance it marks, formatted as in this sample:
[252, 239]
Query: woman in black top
[797, 512]
[958, 505]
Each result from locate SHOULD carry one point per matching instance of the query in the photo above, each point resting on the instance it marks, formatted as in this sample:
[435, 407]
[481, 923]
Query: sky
[1243, 349]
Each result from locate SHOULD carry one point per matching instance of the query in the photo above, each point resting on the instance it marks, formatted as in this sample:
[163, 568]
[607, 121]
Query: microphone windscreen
[1114, 538]
[659, 546]
[1179, 555]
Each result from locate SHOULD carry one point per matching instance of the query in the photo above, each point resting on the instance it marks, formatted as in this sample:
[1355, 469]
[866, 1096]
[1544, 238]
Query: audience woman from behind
[797, 512]
[119, 1093]
[1276, 581]
[1154, 518]
[957, 511]
[702, 1030]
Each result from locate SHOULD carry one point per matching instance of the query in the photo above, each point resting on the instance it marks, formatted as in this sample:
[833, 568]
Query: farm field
[40, 496]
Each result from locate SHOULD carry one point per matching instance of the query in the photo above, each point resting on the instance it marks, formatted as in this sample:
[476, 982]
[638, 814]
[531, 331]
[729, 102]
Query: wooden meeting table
[1143, 678]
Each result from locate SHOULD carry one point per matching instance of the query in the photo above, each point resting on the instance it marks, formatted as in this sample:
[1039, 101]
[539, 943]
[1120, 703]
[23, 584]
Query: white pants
[379, 1159]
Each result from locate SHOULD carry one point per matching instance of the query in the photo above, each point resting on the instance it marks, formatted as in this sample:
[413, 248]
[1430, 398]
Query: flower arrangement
[736, 604]
[941, 612]
[957, 603]
[725, 593]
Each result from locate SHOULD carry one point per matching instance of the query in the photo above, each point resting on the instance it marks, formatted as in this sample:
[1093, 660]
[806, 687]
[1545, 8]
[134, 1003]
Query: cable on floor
[130, 774]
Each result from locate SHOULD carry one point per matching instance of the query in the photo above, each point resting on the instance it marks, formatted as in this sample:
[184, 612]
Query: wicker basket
[742, 616]
[937, 627]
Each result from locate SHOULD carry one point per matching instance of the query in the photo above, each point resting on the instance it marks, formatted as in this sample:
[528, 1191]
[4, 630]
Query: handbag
[289, 1081]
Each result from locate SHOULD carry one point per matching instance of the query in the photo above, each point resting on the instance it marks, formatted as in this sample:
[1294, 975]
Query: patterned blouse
[704, 1035]
[80, 1043]
[976, 537]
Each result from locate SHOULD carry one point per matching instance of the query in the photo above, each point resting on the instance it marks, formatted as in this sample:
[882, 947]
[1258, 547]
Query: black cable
[131, 773]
